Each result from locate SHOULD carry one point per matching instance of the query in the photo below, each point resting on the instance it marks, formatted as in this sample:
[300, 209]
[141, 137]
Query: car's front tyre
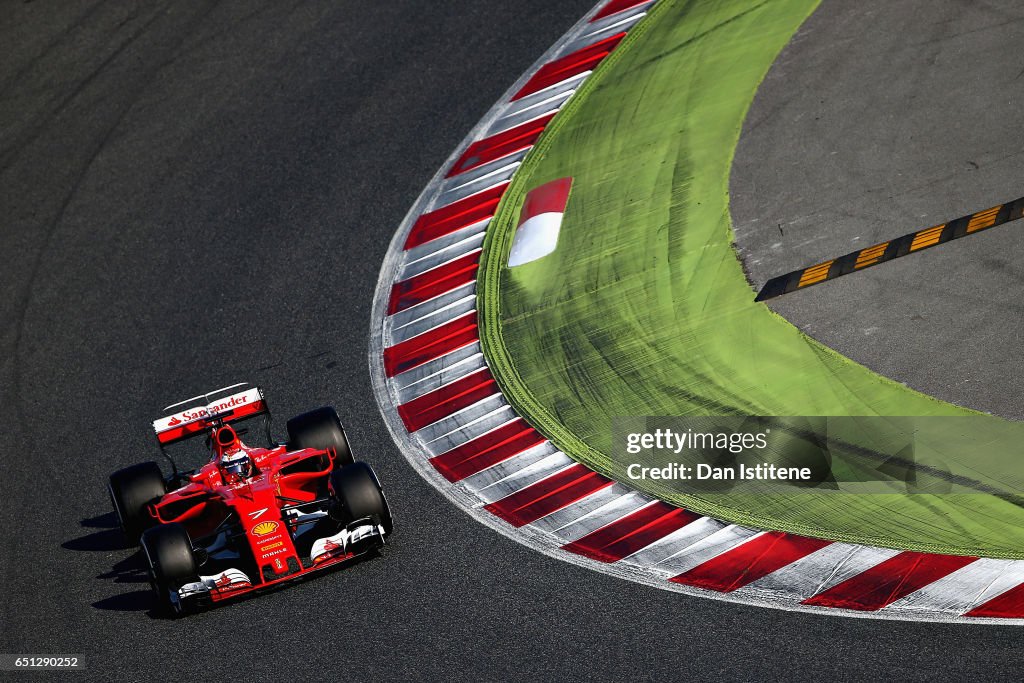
[358, 494]
[171, 561]
[131, 489]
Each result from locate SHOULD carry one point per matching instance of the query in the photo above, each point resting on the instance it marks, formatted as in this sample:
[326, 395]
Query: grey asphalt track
[878, 119]
[193, 194]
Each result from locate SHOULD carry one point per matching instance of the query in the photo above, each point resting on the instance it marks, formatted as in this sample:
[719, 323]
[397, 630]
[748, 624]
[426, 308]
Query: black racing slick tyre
[320, 429]
[168, 552]
[131, 489]
[358, 491]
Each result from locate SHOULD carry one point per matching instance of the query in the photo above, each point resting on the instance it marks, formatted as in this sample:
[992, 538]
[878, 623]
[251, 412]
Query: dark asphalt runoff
[198, 193]
[878, 119]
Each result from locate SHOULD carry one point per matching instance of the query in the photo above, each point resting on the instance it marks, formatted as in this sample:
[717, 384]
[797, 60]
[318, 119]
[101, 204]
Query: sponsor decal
[265, 548]
[256, 514]
[225, 405]
[264, 528]
[215, 408]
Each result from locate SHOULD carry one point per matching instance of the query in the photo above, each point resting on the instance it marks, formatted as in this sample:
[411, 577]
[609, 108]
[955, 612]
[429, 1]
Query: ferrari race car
[251, 517]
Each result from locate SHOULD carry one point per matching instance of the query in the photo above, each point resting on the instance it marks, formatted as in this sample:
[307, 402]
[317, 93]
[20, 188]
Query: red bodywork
[281, 478]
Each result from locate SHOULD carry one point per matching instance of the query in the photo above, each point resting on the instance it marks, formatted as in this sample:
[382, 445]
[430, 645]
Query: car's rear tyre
[320, 429]
[131, 489]
[359, 493]
[172, 563]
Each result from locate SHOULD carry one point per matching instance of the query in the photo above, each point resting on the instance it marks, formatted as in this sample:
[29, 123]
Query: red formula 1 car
[251, 517]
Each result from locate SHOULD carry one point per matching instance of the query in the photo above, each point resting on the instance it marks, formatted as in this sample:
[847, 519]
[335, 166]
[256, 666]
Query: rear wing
[198, 414]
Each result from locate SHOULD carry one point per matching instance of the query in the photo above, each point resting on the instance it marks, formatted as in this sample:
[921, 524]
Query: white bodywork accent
[342, 541]
[233, 578]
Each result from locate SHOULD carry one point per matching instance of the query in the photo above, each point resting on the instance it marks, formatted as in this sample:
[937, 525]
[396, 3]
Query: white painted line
[459, 420]
[603, 28]
[471, 431]
[421, 372]
[708, 548]
[516, 481]
[512, 467]
[435, 245]
[456, 297]
[442, 256]
[553, 522]
[675, 543]
[536, 105]
[555, 87]
[461, 305]
[480, 179]
[623, 502]
[447, 375]
[819, 571]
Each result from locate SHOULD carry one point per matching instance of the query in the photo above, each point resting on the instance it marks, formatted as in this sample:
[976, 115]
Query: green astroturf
[643, 308]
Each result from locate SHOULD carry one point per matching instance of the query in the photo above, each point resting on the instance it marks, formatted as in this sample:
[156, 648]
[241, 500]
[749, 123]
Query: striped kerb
[889, 581]
[455, 216]
[434, 282]
[750, 561]
[517, 475]
[501, 145]
[448, 400]
[616, 6]
[486, 450]
[548, 495]
[570, 65]
[432, 344]
[628, 534]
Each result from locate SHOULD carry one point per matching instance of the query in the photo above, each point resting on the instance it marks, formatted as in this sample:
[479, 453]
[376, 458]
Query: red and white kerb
[540, 220]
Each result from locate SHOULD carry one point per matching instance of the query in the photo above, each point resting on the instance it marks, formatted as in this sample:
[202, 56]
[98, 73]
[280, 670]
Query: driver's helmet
[236, 466]
[234, 463]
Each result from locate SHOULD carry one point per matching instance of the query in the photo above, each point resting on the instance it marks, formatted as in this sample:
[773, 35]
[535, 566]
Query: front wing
[357, 538]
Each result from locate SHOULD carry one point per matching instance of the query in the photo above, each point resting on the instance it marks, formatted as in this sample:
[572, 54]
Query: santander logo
[229, 406]
[215, 408]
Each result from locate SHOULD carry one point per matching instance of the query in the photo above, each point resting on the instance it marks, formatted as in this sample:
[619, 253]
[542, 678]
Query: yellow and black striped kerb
[893, 249]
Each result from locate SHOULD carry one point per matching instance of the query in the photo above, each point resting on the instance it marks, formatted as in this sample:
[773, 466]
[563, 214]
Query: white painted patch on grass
[540, 221]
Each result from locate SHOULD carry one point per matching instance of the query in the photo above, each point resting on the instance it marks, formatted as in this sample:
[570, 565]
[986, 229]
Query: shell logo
[264, 528]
